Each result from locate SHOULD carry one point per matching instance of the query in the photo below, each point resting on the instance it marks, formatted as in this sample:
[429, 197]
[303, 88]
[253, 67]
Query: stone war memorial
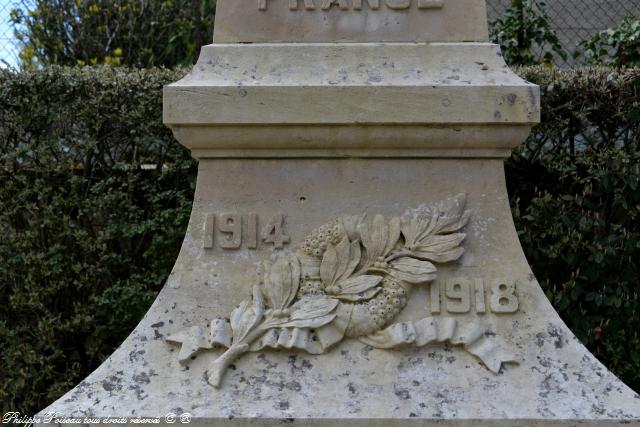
[351, 258]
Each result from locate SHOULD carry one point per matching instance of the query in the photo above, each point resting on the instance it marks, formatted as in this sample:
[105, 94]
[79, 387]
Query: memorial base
[554, 380]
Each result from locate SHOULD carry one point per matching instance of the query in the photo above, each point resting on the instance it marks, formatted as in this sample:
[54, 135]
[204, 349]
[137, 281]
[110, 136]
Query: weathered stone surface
[557, 382]
[319, 99]
[351, 257]
[376, 83]
[266, 21]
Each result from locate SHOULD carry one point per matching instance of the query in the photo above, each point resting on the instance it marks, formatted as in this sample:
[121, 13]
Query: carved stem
[222, 363]
[395, 255]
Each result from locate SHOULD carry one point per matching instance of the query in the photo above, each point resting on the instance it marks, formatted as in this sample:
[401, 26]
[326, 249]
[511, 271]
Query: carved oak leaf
[379, 237]
[281, 282]
[413, 271]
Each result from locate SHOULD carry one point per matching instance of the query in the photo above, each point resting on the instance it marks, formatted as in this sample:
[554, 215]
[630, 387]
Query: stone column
[351, 257]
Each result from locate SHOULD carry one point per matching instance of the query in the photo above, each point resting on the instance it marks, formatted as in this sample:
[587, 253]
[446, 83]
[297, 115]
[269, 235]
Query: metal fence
[9, 49]
[573, 20]
[576, 20]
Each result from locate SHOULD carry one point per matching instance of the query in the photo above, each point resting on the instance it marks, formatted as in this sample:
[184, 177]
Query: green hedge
[89, 234]
[95, 198]
[575, 196]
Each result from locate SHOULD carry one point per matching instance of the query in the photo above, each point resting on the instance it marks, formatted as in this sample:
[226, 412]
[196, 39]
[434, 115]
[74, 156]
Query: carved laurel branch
[349, 278]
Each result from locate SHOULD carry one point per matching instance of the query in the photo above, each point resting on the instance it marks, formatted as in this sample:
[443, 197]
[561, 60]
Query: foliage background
[96, 197]
[575, 199]
[619, 46]
[525, 35]
[136, 33]
[144, 33]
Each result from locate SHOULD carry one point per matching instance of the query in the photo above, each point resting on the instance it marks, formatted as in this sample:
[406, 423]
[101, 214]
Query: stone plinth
[351, 257]
[370, 99]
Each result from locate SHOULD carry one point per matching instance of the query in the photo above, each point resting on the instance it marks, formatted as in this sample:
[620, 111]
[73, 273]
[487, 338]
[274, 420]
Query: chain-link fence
[576, 20]
[573, 20]
[9, 49]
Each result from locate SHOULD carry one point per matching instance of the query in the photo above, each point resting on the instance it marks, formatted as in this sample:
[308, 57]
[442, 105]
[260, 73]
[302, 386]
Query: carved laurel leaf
[258, 304]
[314, 323]
[379, 237]
[295, 279]
[459, 224]
[355, 255]
[242, 320]
[310, 312]
[431, 232]
[361, 296]
[339, 261]
[440, 248]
[247, 315]
[394, 234]
[365, 230]
[378, 232]
[358, 285]
[452, 214]
[441, 242]
[414, 229]
[237, 313]
[439, 257]
[311, 308]
[413, 271]
[329, 265]
[351, 226]
[282, 282]
[342, 250]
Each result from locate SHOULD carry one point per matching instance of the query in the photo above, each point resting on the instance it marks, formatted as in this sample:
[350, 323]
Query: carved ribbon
[429, 331]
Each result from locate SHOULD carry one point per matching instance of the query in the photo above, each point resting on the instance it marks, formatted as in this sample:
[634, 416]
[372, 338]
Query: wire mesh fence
[9, 49]
[576, 20]
[573, 21]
